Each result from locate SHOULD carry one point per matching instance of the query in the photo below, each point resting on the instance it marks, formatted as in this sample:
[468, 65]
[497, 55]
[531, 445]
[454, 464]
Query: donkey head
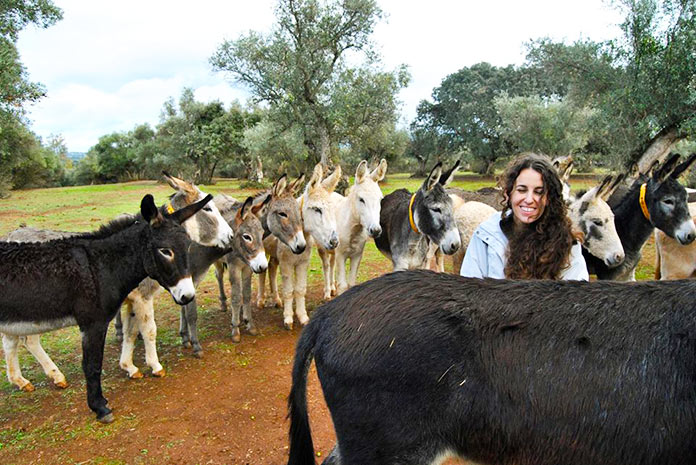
[166, 259]
[366, 196]
[281, 217]
[206, 227]
[666, 200]
[248, 237]
[564, 167]
[591, 214]
[433, 213]
[318, 219]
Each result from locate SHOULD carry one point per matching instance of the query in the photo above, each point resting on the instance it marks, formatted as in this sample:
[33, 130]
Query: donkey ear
[280, 185]
[380, 172]
[149, 210]
[259, 206]
[448, 176]
[188, 211]
[611, 189]
[665, 171]
[315, 180]
[433, 177]
[246, 209]
[295, 186]
[683, 166]
[331, 181]
[361, 172]
[564, 174]
[604, 187]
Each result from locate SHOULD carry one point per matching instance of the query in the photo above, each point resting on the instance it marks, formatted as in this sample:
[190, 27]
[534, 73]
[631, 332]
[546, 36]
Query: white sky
[108, 66]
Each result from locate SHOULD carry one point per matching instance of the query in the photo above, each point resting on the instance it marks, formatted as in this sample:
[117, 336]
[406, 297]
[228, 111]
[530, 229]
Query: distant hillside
[76, 156]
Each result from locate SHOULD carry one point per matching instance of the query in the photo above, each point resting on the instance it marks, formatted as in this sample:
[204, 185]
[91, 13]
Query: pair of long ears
[608, 186]
[438, 176]
[248, 208]
[362, 172]
[152, 215]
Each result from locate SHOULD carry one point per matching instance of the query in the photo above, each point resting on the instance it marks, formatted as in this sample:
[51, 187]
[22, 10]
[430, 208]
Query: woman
[532, 237]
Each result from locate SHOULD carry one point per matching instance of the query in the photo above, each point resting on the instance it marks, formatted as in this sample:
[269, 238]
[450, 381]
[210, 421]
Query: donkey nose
[616, 260]
[333, 242]
[687, 238]
[375, 231]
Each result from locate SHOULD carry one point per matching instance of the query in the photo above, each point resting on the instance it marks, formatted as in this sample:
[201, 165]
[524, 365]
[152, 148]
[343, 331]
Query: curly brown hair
[541, 250]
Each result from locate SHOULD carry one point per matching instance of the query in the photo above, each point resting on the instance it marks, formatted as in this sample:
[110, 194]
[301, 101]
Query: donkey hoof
[198, 353]
[61, 384]
[159, 374]
[253, 331]
[186, 344]
[106, 419]
[278, 303]
[137, 375]
[288, 326]
[236, 336]
[28, 387]
[304, 322]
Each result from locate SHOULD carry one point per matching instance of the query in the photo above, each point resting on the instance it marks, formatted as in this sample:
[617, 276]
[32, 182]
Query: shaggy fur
[414, 365]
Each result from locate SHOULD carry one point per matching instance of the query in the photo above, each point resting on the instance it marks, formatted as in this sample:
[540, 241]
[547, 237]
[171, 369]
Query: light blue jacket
[485, 256]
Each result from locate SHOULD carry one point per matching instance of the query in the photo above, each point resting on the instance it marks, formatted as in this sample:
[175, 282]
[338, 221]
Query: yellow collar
[169, 208]
[410, 214]
[643, 206]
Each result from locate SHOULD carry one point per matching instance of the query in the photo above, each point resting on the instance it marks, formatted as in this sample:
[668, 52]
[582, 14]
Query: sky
[110, 66]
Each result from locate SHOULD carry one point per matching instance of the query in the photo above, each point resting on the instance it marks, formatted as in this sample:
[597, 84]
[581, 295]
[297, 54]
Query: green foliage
[300, 70]
[462, 118]
[642, 84]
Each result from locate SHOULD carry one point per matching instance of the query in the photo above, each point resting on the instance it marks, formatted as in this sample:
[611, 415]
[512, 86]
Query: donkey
[82, 281]
[247, 256]
[590, 214]
[357, 218]
[208, 228]
[673, 260]
[414, 225]
[419, 366]
[655, 201]
[319, 225]
[282, 221]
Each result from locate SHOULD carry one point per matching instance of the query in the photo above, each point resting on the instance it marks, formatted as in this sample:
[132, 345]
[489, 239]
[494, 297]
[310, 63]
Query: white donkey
[319, 226]
[357, 219]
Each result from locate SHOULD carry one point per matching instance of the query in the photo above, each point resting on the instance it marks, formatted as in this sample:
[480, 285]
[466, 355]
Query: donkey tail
[301, 445]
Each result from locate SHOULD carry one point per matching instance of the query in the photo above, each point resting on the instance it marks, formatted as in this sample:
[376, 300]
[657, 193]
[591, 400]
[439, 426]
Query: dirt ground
[228, 407]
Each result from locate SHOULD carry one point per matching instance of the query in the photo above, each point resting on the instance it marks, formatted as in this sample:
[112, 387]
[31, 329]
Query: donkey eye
[246, 237]
[282, 214]
[207, 209]
[436, 210]
[597, 222]
[362, 200]
[668, 201]
[317, 209]
[166, 253]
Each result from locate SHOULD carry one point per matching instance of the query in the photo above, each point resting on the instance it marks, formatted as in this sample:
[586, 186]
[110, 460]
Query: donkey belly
[27, 328]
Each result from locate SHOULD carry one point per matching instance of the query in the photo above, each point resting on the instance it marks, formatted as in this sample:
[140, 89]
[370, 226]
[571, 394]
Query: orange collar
[643, 205]
[410, 214]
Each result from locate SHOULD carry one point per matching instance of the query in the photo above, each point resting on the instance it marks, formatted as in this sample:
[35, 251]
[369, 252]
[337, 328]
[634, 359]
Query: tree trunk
[324, 147]
[658, 147]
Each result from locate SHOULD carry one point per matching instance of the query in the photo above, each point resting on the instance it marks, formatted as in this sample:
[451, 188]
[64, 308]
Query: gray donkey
[415, 225]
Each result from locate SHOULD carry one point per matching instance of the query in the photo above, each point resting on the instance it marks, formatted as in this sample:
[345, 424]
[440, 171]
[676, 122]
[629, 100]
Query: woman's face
[528, 197]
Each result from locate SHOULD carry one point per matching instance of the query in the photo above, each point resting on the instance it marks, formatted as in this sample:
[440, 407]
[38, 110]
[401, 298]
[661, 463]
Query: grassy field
[85, 208]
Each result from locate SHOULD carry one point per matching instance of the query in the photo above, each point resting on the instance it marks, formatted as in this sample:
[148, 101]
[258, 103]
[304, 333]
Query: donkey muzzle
[615, 260]
[375, 231]
[686, 233]
[184, 291]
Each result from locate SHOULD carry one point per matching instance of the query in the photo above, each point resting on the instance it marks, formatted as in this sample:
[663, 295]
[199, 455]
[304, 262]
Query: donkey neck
[117, 260]
[633, 227]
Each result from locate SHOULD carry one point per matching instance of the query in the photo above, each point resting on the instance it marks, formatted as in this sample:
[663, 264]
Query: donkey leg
[353, 273]
[10, 345]
[34, 345]
[273, 279]
[300, 290]
[332, 274]
[287, 271]
[93, 338]
[184, 328]
[118, 324]
[235, 275]
[145, 315]
[191, 311]
[247, 316]
[326, 271]
[342, 283]
[130, 334]
[220, 276]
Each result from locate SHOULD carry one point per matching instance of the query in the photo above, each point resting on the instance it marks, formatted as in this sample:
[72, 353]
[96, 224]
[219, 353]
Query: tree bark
[324, 147]
[658, 147]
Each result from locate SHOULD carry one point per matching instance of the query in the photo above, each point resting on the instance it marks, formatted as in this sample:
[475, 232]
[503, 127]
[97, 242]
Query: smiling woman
[532, 237]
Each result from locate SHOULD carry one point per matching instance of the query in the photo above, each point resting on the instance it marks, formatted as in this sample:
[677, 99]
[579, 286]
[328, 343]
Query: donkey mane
[114, 226]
